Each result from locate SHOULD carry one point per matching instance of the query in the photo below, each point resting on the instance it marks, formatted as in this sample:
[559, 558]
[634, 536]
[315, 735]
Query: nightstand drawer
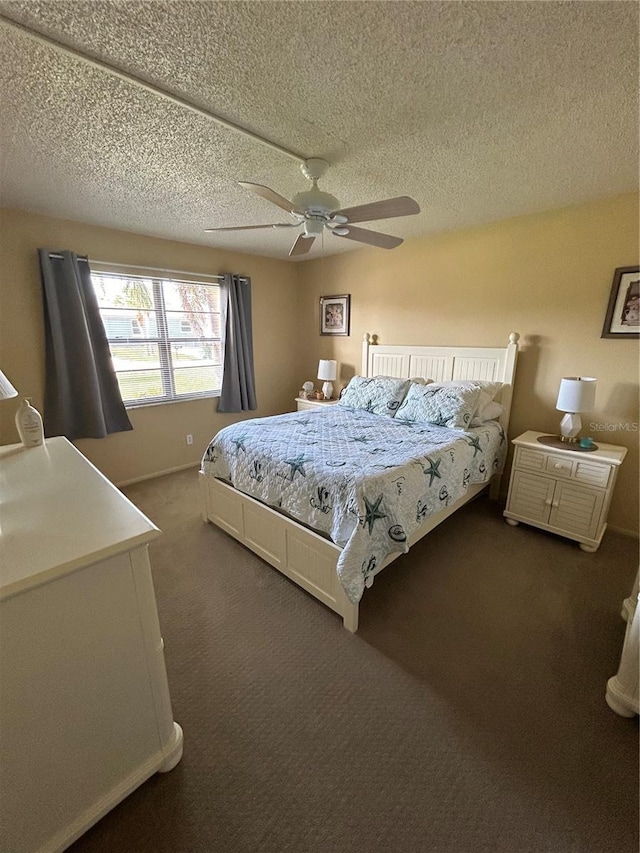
[313, 405]
[558, 466]
[307, 406]
[592, 473]
[534, 460]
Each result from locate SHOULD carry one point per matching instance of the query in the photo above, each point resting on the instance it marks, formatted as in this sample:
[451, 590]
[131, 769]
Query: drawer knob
[558, 465]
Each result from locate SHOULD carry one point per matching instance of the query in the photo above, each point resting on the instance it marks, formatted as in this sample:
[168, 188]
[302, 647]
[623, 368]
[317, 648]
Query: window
[164, 336]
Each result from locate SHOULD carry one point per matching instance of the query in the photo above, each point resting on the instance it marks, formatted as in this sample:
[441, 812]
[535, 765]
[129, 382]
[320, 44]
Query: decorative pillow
[380, 395]
[447, 405]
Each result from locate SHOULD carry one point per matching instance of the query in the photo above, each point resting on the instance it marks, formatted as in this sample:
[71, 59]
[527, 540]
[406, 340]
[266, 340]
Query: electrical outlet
[189, 439]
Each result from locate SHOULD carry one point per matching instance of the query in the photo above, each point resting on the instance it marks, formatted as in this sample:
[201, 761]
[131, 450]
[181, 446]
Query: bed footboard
[303, 556]
[306, 558]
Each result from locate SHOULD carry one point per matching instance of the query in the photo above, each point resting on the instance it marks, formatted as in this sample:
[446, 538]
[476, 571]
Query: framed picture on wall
[623, 312]
[335, 314]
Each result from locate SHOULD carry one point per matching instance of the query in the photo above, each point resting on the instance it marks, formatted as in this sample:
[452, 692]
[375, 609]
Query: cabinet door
[577, 509]
[531, 496]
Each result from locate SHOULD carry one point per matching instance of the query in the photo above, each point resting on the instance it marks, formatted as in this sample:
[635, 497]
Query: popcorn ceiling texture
[479, 111]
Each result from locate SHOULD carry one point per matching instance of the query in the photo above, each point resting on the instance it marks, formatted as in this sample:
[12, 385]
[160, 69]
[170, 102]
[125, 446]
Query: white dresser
[562, 490]
[85, 712]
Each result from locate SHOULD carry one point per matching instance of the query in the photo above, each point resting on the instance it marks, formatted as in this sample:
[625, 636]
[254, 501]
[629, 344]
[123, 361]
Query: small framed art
[335, 314]
[623, 312]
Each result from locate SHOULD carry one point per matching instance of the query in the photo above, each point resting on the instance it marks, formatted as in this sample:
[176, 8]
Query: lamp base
[327, 390]
[570, 426]
[564, 444]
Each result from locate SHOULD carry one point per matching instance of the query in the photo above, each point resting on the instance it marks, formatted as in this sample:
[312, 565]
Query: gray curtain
[82, 397]
[238, 393]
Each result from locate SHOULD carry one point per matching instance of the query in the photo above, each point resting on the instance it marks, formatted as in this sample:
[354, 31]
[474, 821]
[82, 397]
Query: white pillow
[489, 391]
[490, 412]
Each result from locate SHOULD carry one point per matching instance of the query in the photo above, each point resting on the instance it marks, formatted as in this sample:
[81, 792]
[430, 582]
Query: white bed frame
[309, 559]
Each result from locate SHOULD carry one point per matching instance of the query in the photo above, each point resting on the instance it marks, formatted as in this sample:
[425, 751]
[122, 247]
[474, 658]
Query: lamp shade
[577, 394]
[327, 370]
[6, 388]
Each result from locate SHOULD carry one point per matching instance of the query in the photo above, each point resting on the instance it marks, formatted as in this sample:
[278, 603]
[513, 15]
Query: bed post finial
[514, 337]
[366, 341]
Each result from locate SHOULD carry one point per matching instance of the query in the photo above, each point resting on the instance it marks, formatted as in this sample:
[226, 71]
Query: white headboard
[444, 363]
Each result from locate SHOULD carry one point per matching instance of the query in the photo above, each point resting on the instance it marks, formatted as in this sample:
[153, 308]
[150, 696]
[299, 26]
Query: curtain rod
[148, 269]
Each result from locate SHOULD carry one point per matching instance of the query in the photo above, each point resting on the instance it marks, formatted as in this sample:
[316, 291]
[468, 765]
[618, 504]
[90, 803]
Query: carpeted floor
[466, 715]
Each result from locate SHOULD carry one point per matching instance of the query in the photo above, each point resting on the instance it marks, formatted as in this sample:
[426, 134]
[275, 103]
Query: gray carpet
[467, 714]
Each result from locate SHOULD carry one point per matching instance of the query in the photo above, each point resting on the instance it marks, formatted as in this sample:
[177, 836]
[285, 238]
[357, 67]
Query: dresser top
[613, 454]
[59, 513]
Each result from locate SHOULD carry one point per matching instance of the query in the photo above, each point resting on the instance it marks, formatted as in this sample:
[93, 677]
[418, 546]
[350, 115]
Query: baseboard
[624, 531]
[157, 474]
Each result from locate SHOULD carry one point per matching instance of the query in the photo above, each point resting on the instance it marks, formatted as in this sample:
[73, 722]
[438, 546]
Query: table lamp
[6, 388]
[328, 371]
[577, 394]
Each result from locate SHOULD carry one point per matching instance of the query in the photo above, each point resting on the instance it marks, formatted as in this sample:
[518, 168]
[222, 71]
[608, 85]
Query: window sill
[145, 404]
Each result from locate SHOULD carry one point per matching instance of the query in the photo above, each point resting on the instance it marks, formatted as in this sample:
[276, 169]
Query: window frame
[163, 340]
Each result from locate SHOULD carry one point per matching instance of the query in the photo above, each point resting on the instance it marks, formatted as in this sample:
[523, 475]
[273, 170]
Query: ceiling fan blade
[253, 227]
[373, 238]
[387, 209]
[270, 195]
[302, 245]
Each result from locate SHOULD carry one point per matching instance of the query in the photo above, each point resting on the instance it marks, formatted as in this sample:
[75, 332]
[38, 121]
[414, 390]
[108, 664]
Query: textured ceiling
[480, 111]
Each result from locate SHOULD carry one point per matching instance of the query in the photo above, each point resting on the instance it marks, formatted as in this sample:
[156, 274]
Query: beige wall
[157, 442]
[547, 276]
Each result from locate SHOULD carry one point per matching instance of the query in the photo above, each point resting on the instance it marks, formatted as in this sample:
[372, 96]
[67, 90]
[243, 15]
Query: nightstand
[313, 405]
[567, 492]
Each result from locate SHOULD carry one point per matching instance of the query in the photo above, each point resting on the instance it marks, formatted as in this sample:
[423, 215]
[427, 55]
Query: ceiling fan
[316, 211]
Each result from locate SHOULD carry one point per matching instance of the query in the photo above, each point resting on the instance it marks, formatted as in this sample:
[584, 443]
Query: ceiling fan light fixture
[313, 227]
[340, 232]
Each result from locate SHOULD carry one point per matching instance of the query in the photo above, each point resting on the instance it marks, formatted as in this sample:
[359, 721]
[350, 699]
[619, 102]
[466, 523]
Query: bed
[331, 497]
